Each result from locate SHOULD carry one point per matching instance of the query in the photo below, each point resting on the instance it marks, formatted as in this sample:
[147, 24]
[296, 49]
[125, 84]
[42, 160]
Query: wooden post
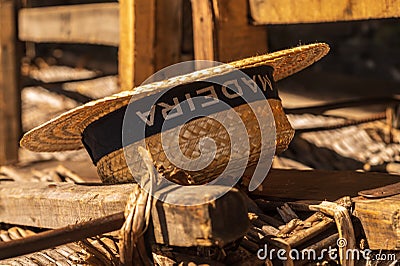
[222, 31]
[55, 205]
[86, 23]
[10, 115]
[168, 33]
[236, 37]
[151, 35]
[203, 30]
[380, 219]
[126, 44]
[137, 37]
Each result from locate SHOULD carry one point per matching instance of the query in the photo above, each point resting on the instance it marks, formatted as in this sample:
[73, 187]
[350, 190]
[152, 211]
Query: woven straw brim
[64, 132]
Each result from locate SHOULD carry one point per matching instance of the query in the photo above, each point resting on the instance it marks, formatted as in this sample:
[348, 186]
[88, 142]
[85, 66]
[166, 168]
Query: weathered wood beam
[54, 205]
[203, 30]
[137, 42]
[313, 11]
[236, 37]
[86, 23]
[10, 97]
[380, 219]
[222, 32]
[145, 29]
[320, 185]
[126, 53]
[169, 27]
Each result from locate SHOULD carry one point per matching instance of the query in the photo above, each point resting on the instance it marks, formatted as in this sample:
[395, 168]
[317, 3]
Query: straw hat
[70, 131]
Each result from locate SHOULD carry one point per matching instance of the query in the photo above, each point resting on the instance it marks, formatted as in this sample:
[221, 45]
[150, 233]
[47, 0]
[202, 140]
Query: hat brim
[65, 131]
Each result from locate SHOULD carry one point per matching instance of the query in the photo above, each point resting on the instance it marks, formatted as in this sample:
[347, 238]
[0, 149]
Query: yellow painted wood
[311, 11]
[127, 44]
[86, 23]
[55, 205]
[137, 37]
[236, 37]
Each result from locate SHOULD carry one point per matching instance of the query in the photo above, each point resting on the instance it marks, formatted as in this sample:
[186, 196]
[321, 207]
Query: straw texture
[113, 167]
[64, 132]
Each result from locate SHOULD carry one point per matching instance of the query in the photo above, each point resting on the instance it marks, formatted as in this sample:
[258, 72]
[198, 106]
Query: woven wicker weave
[64, 132]
[113, 168]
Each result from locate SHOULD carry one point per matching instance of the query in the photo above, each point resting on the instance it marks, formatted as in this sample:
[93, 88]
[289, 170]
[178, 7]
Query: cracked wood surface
[312, 11]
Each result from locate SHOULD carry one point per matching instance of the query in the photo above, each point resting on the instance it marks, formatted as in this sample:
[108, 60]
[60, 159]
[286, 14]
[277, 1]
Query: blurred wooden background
[135, 38]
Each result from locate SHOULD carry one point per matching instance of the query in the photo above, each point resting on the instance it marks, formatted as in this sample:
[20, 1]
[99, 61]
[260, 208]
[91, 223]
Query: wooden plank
[236, 37]
[126, 66]
[319, 185]
[216, 222]
[380, 219]
[10, 105]
[221, 31]
[187, 31]
[137, 37]
[145, 11]
[54, 205]
[169, 29]
[86, 23]
[311, 11]
[203, 30]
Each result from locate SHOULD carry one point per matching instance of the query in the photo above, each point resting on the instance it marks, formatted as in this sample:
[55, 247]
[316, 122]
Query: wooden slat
[203, 30]
[137, 47]
[222, 32]
[319, 184]
[10, 114]
[54, 205]
[88, 23]
[309, 11]
[168, 32]
[236, 37]
[380, 219]
[126, 66]
[145, 39]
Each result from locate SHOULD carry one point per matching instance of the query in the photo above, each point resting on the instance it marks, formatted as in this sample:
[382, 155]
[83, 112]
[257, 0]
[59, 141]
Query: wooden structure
[10, 113]
[380, 219]
[220, 32]
[71, 24]
[291, 223]
[55, 205]
[379, 213]
[315, 11]
[152, 34]
[157, 33]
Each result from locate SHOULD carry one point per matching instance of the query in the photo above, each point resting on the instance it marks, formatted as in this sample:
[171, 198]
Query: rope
[137, 216]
